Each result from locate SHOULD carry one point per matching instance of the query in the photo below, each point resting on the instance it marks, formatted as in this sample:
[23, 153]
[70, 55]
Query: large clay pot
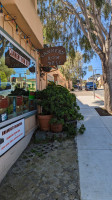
[44, 122]
[56, 128]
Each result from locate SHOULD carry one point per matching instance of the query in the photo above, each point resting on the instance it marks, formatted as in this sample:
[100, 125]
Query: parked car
[5, 86]
[77, 87]
[89, 86]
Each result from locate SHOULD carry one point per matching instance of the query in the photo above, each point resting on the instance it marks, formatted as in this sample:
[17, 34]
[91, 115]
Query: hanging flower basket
[32, 69]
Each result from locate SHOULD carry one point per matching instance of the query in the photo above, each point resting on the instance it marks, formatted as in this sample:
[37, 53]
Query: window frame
[17, 45]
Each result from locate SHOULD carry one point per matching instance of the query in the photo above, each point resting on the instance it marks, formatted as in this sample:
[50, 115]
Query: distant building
[100, 82]
[95, 78]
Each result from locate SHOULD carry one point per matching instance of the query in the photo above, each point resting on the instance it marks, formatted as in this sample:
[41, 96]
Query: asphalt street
[99, 93]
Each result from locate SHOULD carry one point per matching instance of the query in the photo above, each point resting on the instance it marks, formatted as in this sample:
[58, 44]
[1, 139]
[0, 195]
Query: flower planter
[44, 122]
[56, 128]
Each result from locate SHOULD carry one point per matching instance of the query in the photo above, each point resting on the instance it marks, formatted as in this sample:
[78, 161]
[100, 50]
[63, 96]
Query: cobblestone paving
[44, 172]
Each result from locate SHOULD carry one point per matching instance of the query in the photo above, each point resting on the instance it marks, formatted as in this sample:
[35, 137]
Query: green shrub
[59, 102]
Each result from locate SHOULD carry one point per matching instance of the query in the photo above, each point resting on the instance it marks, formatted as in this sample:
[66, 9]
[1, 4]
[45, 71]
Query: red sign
[18, 57]
[3, 102]
[53, 56]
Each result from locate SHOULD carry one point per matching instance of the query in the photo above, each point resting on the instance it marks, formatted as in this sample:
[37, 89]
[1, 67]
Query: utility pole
[94, 81]
[90, 69]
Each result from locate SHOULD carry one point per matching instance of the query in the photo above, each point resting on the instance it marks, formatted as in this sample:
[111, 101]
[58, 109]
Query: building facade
[20, 36]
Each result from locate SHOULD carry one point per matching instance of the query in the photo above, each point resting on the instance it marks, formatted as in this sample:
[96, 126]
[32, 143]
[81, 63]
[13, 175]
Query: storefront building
[20, 36]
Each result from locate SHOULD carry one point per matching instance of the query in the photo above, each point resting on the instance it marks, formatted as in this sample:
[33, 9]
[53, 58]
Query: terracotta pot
[44, 122]
[56, 128]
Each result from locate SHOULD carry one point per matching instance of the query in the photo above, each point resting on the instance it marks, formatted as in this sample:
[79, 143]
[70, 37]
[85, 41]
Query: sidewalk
[95, 152]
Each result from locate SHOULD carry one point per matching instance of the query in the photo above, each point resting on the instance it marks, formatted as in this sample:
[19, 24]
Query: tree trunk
[108, 88]
[107, 76]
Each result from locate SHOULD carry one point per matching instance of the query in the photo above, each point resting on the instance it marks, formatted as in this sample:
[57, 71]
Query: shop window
[15, 80]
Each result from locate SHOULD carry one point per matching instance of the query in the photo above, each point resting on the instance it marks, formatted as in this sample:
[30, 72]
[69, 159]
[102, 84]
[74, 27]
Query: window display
[17, 80]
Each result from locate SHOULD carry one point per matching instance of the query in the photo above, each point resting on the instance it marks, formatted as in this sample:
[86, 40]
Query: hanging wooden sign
[14, 60]
[52, 56]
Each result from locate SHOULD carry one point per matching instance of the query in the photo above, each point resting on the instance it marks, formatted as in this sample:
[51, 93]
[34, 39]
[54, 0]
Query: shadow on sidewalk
[95, 103]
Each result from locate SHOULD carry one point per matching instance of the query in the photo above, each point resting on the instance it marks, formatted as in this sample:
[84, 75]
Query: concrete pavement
[100, 93]
[95, 152]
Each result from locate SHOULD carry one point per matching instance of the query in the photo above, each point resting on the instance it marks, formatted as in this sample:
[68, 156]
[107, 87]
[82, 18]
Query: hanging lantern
[32, 69]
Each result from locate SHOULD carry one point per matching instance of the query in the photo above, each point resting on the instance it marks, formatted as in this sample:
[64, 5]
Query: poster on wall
[10, 135]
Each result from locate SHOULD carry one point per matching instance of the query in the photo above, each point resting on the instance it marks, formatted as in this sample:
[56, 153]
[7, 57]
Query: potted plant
[58, 102]
[45, 114]
[44, 122]
[64, 107]
[56, 125]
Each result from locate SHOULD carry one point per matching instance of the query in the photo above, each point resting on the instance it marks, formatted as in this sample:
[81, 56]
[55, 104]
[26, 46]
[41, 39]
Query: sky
[96, 64]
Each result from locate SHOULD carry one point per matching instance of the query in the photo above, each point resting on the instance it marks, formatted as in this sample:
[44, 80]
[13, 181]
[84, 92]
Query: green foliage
[86, 47]
[51, 83]
[84, 43]
[54, 120]
[4, 68]
[107, 10]
[62, 26]
[99, 3]
[74, 81]
[58, 25]
[73, 67]
[82, 129]
[72, 52]
[86, 57]
[19, 92]
[71, 128]
[10, 109]
[59, 102]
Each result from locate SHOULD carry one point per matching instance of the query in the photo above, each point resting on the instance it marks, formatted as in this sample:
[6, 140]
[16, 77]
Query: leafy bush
[59, 102]
[19, 92]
